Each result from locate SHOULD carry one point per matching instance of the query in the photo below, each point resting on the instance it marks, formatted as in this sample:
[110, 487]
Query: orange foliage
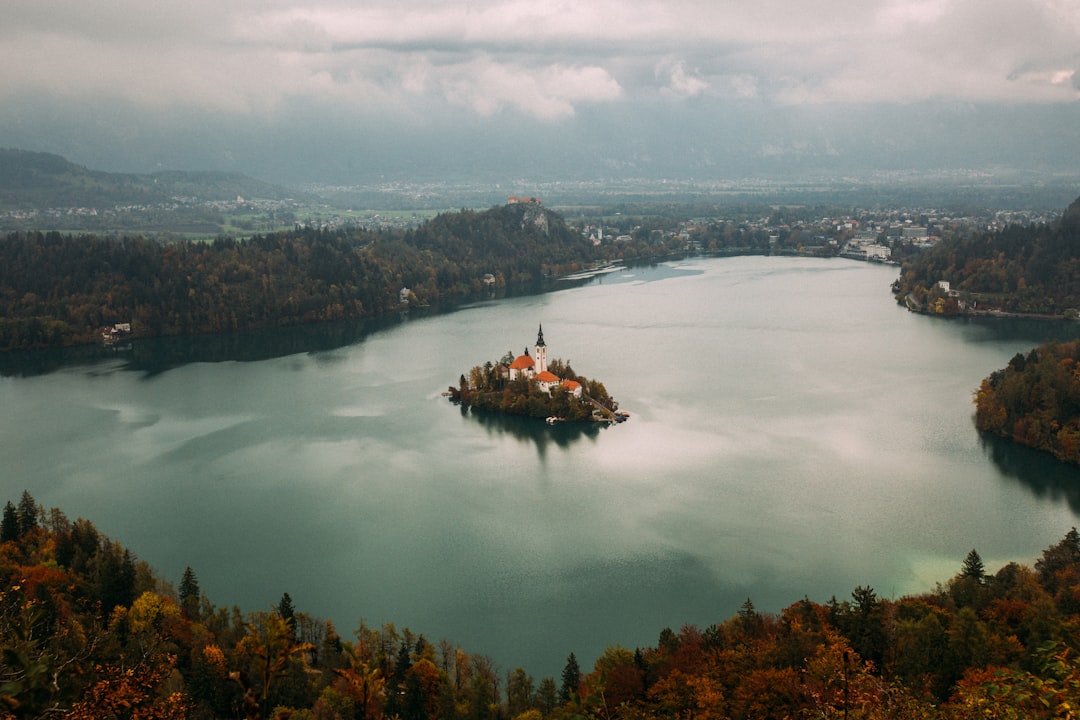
[130, 694]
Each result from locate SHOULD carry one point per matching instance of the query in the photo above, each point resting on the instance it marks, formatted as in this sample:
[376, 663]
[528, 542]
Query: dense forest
[1035, 400]
[1018, 269]
[488, 387]
[89, 631]
[60, 290]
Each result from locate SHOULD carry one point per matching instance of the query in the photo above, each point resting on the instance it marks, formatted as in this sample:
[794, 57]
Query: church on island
[535, 367]
[530, 384]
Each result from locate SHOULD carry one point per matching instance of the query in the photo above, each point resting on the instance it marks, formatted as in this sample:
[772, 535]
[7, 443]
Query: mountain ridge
[32, 180]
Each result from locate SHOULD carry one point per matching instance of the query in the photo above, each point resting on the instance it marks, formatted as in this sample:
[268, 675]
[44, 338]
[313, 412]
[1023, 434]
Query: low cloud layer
[414, 63]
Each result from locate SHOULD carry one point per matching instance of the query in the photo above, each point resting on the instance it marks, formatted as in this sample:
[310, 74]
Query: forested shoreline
[1031, 270]
[1035, 400]
[59, 290]
[87, 630]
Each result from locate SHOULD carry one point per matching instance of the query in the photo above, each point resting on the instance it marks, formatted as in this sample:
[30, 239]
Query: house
[573, 387]
[112, 334]
[547, 380]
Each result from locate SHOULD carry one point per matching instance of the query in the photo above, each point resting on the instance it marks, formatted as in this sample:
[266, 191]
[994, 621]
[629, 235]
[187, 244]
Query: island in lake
[531, 385]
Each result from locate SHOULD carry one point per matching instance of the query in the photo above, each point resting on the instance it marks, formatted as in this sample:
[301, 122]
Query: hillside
[58, 289]
[87, 630]
[33, 180]
[1018, 269]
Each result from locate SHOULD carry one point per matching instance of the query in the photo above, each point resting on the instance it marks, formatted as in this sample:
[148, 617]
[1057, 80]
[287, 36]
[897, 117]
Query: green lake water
[794, 433]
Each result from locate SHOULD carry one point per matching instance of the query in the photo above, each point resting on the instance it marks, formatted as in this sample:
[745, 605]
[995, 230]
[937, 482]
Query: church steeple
[541, 351]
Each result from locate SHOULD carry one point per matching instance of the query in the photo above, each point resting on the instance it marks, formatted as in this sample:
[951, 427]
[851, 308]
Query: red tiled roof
[571, 384]
[522, 362]
[547, 377]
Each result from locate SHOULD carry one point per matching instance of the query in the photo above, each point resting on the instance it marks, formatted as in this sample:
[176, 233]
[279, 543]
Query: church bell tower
[541, 351]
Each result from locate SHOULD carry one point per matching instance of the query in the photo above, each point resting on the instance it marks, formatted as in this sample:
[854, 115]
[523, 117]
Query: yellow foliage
[149, 611]
[215, 659]
[118, 618]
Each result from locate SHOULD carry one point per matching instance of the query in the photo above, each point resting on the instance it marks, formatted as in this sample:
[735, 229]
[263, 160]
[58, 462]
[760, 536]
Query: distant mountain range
[37, 181]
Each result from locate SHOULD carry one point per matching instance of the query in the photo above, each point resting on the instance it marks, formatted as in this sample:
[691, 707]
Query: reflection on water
[1010, 328]
[533, 430]
[1044, 475]
[156, 355]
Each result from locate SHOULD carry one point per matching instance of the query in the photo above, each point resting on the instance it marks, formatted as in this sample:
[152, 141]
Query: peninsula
[531, 385]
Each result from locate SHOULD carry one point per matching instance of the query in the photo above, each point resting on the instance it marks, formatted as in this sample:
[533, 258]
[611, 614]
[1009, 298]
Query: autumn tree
[519, 692]
[362, 682]
[1059, 565]
[547, 696]
[131, 694]
[266, 652]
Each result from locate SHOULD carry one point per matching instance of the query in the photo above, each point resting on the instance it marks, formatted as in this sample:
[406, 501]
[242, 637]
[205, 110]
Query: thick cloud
[428, 63]
[542, 58]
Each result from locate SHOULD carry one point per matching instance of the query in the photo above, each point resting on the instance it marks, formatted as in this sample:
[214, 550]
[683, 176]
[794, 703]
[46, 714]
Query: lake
[794, 433]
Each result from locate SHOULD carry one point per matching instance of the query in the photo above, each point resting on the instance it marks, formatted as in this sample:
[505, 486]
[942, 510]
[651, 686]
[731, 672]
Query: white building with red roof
[573, 387]
[535, 366]
[523, 366]
[547, 380]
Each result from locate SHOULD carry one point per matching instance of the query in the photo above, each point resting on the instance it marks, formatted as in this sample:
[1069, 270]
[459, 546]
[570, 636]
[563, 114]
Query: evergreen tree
[414, 706]
[189, 594]
[571, 680]
[403, 663]
[28, 513]
[9, 526]
[750, 620]
[973, 567]
[866, 625]
[287, 612]
[115, 574]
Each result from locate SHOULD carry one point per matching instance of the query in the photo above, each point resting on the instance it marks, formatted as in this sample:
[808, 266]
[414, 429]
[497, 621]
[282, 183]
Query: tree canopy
[60, 289]
[1001, 645]
[1019, 269]
[1035, 400]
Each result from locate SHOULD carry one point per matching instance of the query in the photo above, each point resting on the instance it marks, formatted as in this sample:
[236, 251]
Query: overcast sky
[125, 76]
